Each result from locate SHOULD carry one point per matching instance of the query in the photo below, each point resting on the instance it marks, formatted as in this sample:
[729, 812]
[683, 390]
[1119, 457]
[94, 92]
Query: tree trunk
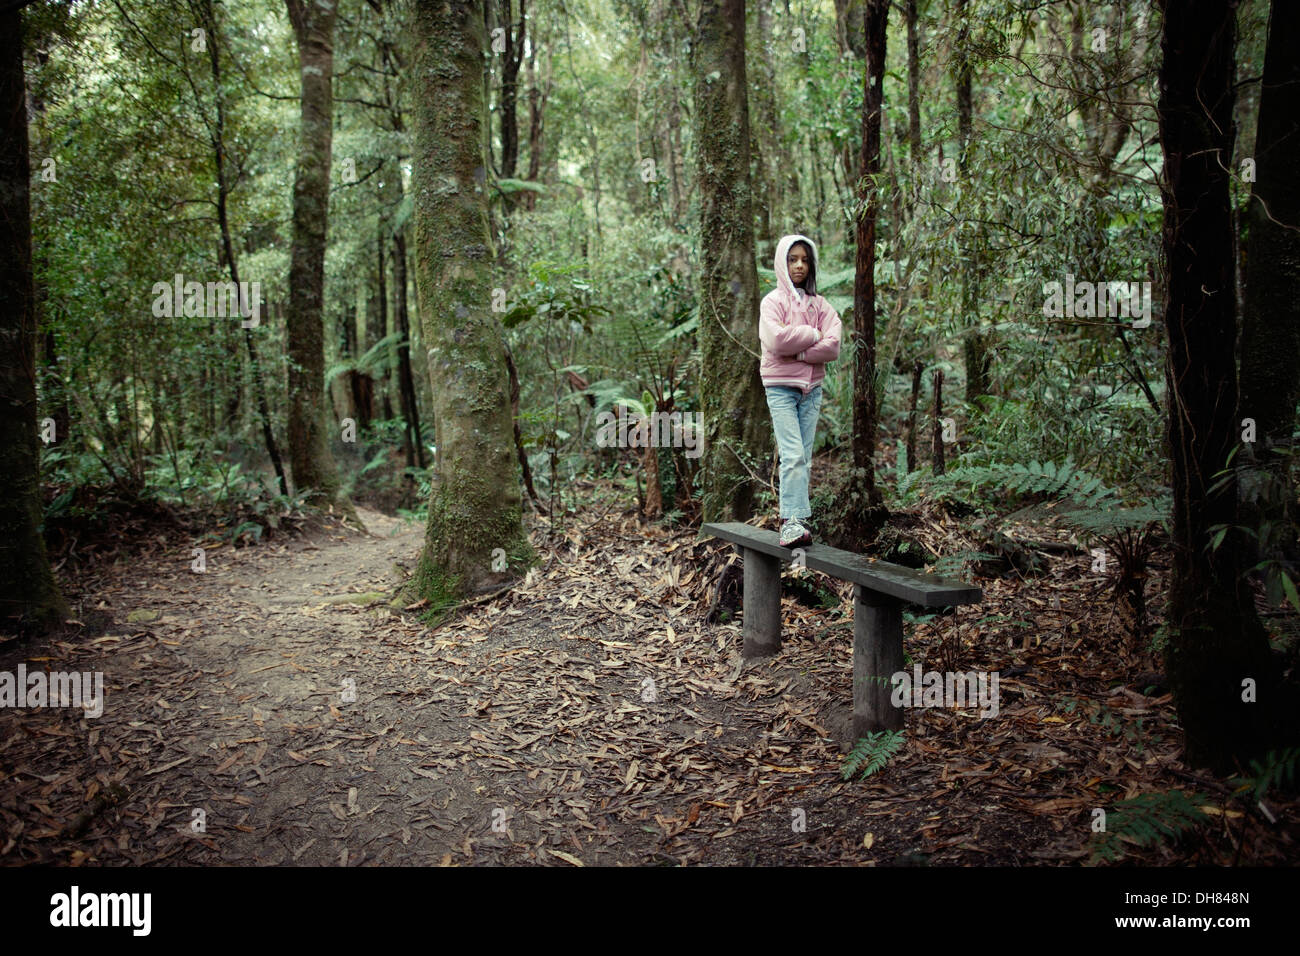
[1270, 338]
[526, 471]
[310, 459]
[770, 209]
[410, 402]
[736, 424]
[913, 83]
[848, 36]
[510, 62]
[936, 442]
[536, 112]
[1216, 649]
[912, 416]
[30, 600]
[377, 317]
[864, 511]
[474, 506]
[974, 344]
[228, 246]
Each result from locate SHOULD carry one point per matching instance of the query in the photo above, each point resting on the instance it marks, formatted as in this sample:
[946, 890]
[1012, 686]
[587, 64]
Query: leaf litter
[589, 716]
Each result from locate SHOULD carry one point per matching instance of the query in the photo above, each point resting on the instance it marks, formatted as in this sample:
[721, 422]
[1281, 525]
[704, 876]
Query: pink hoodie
[786, 323]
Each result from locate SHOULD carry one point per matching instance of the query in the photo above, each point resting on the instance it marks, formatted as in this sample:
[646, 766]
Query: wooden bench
[879, 592]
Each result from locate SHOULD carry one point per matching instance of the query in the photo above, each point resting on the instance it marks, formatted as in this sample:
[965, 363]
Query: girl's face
[797, 262]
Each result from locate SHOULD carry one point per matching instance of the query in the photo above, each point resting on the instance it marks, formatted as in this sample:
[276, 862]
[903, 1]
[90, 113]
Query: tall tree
[1270, 338]
[1217, 654]
[767, 137]
[216, 128]
[974, 342]
[863, 509]
[413, 444]
[513, 34]
[537, 98]
[29, 596]
[475, 501]
[309, 451]
[913, 81]
[736, 426]
[848, 17]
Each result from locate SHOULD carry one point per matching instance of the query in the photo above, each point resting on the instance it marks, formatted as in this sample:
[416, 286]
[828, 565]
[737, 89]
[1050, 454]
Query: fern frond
[1104, 522]
[1149, 819]
[871, 753]
[1065, 480]
[1279, 769]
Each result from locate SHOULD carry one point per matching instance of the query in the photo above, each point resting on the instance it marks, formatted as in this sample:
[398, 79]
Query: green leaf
[1289, 586]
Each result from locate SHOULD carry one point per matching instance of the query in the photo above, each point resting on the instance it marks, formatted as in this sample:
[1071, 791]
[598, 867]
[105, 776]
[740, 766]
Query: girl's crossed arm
[827, 347]
[786, 341]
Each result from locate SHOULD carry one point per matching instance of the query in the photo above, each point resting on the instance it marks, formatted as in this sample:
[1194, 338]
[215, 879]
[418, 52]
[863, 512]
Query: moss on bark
[475, 518]
[737, 429]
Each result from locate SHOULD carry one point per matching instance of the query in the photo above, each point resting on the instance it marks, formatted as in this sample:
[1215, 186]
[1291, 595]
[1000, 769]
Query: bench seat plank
[905, 584]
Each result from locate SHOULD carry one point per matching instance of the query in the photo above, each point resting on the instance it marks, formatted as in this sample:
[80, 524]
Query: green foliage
[423, 478]
[378, 359]
[1036, 478]
[871, 753]
[1266, 486]
[1148, 820]
[1279, 770]
[1089, 508]
[558, 294]
[956, 563]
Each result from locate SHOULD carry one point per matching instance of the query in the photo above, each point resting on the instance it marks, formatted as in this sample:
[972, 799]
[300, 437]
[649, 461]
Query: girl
[800, 333]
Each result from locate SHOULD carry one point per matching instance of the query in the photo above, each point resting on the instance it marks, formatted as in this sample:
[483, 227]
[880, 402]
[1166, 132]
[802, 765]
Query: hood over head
[782, 268]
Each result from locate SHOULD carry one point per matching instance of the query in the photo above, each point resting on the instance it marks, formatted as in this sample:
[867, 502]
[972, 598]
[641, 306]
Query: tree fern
[377, 359]
[871, 753]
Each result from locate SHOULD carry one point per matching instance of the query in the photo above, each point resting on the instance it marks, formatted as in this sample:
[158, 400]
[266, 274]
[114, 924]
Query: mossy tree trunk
[1216, 649]
[29, 597]
[474, 506]
[1270, 338]
[863, 509]
[737, 429]
[974, 346]
[309, 452]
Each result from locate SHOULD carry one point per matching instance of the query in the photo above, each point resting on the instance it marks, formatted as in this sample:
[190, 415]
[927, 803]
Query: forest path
[588, 716]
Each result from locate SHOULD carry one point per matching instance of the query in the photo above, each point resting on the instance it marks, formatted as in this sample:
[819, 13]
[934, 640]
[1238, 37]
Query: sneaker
[793, 533]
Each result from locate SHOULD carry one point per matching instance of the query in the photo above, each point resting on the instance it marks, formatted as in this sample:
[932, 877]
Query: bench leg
[877, 654]
[762, 597]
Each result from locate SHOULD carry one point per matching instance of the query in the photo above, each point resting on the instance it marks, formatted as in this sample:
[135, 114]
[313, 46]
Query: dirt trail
[587, 717]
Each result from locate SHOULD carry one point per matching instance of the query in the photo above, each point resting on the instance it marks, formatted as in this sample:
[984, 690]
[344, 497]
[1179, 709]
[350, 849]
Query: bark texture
[737, 427]
[310, 460]
[1216, 649]
[30, 600]
[474, 506]
[1270, 340]
[865, 511]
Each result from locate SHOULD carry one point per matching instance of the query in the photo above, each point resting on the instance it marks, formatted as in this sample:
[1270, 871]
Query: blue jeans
[794, 419]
